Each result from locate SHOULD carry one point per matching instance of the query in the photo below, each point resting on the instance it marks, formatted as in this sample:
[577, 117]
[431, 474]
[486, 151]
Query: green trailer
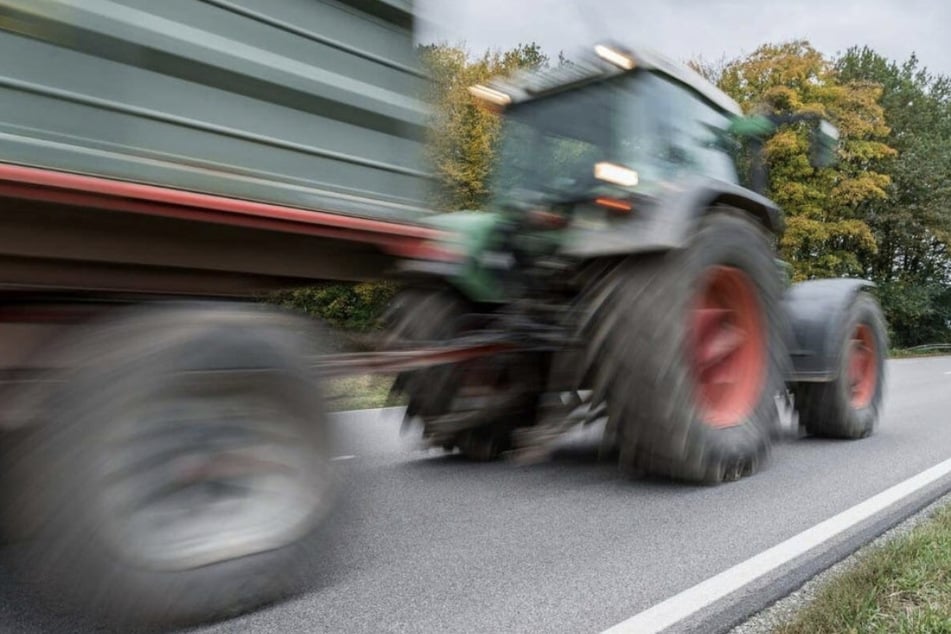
[166, 452]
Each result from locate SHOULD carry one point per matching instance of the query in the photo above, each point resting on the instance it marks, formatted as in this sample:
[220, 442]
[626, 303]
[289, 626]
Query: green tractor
[626, 275]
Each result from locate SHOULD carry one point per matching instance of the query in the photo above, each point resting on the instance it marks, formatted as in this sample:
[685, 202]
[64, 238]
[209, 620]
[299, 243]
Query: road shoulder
[785, 611]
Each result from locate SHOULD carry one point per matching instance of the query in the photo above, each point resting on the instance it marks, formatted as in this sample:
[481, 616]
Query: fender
[816, 309]
[666, 221]
[705, 194]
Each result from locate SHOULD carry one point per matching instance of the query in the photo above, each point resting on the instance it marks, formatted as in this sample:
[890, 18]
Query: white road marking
[949, 372]
[680, 606]
[339, 458]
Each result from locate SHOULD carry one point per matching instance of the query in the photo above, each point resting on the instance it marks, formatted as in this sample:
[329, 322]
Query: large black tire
[836, 409]
[640, 342]
[181, 470]
[425, 317]
[433, 317]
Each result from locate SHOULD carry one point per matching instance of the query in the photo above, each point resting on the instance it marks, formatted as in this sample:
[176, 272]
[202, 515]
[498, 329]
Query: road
[429, 543]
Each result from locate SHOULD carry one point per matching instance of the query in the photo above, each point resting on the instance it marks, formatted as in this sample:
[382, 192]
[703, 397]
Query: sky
[686, 29]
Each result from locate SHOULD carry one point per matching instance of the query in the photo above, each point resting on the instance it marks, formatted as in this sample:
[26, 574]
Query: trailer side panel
[305, 103]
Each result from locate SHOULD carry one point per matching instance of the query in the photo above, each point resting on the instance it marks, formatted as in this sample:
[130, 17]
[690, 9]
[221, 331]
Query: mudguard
[814, 309]
[667, 221]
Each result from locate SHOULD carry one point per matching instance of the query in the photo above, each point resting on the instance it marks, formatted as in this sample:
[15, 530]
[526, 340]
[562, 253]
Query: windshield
[550, 146]
[649, 124]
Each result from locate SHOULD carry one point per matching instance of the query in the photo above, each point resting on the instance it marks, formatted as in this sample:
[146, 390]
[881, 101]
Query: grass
[900, 587]
[914, 354]
[359, 392]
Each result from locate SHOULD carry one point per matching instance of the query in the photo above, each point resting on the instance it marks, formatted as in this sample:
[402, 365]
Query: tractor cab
[614, 154]
[617, 127]
[608, 130]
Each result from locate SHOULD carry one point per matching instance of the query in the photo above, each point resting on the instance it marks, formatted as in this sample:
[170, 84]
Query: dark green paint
[298, 102]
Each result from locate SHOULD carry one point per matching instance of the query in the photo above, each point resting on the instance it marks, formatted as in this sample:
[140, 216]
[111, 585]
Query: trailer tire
[848, 406]
[181, 470]
[647, 339]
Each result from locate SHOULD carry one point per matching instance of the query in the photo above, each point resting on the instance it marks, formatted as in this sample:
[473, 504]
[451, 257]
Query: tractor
[625, 274]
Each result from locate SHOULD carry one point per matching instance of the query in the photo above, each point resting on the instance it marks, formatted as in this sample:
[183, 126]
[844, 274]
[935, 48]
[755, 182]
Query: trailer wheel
[849, 405]
[689, 354]
[181, 472]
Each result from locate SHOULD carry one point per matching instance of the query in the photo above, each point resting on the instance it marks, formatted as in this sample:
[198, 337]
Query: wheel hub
[202, 474]
[862, 367]
[728, 347]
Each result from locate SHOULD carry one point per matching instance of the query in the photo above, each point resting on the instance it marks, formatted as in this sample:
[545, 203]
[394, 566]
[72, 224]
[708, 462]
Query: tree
[827, 233]
[463, 138]
[349, 307]
[711, 70]
[912, 226]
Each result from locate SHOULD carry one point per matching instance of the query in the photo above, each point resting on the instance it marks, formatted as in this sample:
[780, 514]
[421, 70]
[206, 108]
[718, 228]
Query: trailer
[166, 455]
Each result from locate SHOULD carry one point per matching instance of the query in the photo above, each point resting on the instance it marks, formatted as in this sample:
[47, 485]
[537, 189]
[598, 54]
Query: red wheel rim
[862, 367]
[728, 347]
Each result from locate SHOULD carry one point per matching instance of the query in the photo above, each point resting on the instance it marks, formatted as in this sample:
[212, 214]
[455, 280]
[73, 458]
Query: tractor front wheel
[848, 406]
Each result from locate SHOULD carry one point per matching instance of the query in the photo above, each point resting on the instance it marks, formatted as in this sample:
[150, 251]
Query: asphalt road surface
[429, 543]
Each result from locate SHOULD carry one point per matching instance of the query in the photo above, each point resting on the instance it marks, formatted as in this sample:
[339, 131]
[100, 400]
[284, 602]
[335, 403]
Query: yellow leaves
[825, 233]
[781, 74]
[858, 233]
[782, 98]
[785, 144]
[791, 194]
[463, 136]
[817, 248]
[863, 187]
[858, 112]
[863, 150]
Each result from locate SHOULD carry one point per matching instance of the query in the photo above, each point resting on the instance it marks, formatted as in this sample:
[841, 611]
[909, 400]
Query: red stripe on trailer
[30, 183]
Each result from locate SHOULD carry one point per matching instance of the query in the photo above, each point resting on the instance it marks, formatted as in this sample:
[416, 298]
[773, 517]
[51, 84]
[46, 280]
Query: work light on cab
[616, 174]
[490, 96]
[619, 59]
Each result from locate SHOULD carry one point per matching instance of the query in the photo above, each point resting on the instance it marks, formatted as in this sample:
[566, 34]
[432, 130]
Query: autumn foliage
[463, 137]
[884, 211]
[826, 232]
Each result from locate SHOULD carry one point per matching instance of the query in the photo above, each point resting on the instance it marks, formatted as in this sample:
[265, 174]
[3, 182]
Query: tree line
[882, 212]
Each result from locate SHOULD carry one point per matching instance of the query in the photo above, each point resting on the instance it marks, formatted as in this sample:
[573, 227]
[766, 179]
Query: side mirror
[825, 140]
[752, 127]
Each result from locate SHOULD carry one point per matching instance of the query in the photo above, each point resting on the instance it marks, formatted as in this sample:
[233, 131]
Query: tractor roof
[608, 61]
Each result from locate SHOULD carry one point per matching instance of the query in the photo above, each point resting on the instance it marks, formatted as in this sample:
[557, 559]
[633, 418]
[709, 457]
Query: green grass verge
[901, 587]
[359, 392]
[911, 354]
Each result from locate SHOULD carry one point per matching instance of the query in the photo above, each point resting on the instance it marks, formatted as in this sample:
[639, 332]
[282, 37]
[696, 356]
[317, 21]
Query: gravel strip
[786, 609]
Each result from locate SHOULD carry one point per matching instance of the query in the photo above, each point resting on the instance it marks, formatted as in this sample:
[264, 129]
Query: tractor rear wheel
[690, 354]
[848, 406]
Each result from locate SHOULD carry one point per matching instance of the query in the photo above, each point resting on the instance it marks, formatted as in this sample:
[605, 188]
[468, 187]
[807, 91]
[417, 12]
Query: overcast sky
[685, 29]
